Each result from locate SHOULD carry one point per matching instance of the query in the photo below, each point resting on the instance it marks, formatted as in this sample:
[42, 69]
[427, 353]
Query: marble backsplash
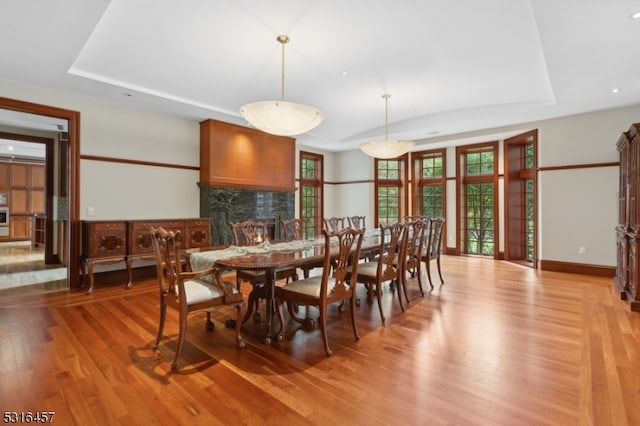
[225, 205]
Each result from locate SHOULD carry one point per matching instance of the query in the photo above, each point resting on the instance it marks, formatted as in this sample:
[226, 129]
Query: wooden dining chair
[385, 268]
[358, 222]
[413, 218]
[189, 292]
[292, 230]
[335, 224]
[411, 254]
[251, 233]
[433, 247]
[336, 284]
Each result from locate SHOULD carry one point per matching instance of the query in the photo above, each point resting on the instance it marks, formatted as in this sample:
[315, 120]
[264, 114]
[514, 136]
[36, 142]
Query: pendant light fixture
[386, 148]
[280, 117]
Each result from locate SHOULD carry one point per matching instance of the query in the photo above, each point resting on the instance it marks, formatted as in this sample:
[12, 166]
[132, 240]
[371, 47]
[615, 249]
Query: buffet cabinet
[628, 227]
[108, 242]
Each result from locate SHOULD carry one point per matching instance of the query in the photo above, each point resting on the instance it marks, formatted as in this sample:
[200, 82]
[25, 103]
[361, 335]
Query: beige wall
[577, 206]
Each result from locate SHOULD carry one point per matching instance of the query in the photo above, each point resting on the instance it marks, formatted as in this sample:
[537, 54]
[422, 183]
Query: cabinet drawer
[103, 239]
[139, 234]
[198, 232]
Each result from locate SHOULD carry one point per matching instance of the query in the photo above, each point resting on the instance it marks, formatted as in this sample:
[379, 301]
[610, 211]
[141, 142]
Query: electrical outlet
[91, 211]
[582, 250]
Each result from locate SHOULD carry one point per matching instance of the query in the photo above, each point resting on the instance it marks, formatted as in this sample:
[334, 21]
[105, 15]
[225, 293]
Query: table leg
[270, 284]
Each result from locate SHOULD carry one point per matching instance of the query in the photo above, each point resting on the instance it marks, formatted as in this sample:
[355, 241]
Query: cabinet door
[198, 232]
[37, 176]
[19, 201]
[37, 201]
[4, 176]
[20, 227]
[19, 175]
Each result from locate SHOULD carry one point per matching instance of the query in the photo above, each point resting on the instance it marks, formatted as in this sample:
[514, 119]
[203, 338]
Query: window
[391, 177]
[429, 177]
[477, 204]
[311, 185]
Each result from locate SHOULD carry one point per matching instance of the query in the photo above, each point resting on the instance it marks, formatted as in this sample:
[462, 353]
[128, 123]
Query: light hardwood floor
[498, 344]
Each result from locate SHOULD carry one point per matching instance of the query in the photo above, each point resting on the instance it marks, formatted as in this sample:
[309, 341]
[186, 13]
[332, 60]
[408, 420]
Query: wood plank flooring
[498, 344]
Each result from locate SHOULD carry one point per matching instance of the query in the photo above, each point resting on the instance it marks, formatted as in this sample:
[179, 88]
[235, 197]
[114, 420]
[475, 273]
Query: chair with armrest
[189, 292]
[433, 246]
[250, 233]
[374, 273]
[336, 284]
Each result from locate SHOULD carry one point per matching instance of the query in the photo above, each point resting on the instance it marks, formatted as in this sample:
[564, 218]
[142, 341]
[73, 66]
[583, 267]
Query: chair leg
[209, 324]
[239, 340]
[439, 272]
[356, 335]
[182, 331]
[163, 316]
[419, 272]
[427, 263]
[398, 284]
[404, 286]
[379, 297]
[280, 335]
[323, 329]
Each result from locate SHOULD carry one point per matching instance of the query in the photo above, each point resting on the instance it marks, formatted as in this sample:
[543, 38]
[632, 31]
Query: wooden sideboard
[108, 242]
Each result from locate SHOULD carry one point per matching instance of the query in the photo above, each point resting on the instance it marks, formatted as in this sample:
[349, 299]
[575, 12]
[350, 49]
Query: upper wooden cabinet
[25, 184]
[5, 182]
[37, 176]
[20, 175]
[240, 157]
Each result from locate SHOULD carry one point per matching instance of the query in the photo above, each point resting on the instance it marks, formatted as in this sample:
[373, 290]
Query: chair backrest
[391, 236]
[291, 229]
[408, 219]
[249, 232]
[412, 243]
[434, 238]
[340, 267]
[334, 224]
[165, 249]
[357, 222]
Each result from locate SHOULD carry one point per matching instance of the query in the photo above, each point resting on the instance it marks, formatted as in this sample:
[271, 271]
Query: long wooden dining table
[269, 257]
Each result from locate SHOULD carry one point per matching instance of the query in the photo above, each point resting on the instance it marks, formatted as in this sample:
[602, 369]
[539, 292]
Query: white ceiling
[450, 66]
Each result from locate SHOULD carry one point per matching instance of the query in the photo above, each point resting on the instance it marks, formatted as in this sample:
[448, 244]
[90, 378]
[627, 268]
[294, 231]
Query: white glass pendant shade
[281, 118]
[387, 149]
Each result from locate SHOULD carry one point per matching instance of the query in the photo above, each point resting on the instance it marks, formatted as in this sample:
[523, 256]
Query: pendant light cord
[386, 116]
[282, 39]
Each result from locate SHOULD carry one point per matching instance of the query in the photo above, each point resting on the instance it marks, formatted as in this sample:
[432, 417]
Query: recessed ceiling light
[10, 148]
[635, 15]
[616, 90]
[345, 73]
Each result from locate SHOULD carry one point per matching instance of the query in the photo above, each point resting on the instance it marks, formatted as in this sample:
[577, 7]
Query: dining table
[269, 257]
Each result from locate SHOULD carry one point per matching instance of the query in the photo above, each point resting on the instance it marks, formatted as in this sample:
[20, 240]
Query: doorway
[64, 208]
[521, 199]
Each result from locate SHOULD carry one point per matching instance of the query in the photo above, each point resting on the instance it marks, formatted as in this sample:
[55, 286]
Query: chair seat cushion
[368, 269]
[199, 291]
[308, 286]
